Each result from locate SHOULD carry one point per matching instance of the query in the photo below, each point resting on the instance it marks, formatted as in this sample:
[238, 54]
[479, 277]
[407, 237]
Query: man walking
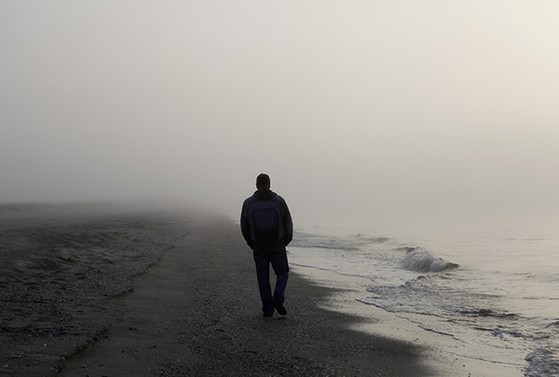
[267, 227]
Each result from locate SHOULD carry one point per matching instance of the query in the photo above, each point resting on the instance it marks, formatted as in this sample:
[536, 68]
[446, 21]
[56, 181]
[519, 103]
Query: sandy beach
[149, 293]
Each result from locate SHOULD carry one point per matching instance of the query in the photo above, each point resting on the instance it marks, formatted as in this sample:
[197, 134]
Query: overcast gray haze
[357, 109]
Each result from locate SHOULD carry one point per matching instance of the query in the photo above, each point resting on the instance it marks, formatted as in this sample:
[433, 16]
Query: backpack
[265, 218]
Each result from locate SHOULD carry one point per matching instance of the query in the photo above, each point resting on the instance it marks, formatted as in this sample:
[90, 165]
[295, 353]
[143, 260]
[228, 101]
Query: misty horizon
[356, 110]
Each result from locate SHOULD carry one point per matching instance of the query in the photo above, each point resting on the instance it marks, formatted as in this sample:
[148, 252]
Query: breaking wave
[421, 260]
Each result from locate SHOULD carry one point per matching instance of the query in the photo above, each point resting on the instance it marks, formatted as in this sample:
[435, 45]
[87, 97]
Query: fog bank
[356, 109]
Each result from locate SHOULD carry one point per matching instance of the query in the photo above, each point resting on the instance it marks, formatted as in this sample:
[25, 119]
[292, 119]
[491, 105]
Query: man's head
[263, 181]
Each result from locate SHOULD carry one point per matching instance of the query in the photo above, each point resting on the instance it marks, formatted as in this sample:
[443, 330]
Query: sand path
[197, 313]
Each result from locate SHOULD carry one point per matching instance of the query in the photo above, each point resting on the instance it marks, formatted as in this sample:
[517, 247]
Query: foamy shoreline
[377, 321]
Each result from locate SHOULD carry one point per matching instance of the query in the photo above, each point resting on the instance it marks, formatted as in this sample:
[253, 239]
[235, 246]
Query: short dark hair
[263, 181]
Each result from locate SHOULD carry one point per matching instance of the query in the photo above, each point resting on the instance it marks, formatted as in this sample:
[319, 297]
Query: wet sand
[163, 294]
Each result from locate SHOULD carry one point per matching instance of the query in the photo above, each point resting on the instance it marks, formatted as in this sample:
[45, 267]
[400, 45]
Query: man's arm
[287, 224]
[245, 227]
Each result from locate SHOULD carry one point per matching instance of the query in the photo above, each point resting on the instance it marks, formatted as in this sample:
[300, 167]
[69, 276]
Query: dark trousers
[275, 255]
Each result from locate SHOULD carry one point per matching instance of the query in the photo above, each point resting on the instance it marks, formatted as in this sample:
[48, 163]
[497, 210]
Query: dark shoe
[280, 308]
[268, 312]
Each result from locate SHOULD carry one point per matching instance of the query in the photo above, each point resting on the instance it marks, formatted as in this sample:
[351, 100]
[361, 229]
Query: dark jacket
[265, 220]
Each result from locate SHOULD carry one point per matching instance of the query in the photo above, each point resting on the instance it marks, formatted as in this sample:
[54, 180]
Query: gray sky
[355, 108]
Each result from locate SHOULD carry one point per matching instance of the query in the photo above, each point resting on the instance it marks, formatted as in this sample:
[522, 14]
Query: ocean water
[489, 285]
